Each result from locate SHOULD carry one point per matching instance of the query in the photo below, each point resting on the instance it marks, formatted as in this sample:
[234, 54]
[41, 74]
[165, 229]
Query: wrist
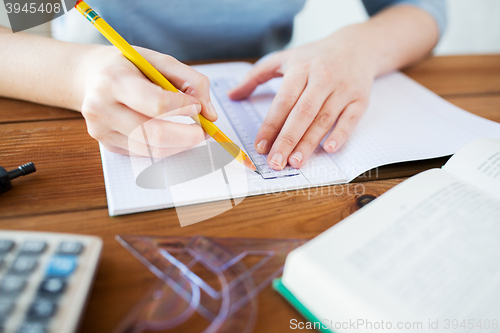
[397, 37]
[356, 41]
[82, 69]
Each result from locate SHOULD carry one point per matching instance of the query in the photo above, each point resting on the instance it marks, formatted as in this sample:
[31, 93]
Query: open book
[425, 254]
[404, 122]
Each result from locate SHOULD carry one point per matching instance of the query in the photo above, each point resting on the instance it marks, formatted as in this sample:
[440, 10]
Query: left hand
[325, 83]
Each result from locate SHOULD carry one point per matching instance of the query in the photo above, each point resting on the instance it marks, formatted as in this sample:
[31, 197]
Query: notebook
[423, 257]
[404, 122]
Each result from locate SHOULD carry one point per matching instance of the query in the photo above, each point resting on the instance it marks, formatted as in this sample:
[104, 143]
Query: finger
[258, 75]
[121, 144]
[297, 123]
[122, 151]
[120, 118]
[186, 79]
[292, 87]
[164, 134]
[320, 126]
[346, 124]
[116, 150]
[129, 120]
[105, 119]
[145, 97]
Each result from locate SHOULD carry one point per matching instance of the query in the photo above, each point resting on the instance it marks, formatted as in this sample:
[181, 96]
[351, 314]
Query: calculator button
[42, 309]
[67, 247]
[6, 308]
[24, 265]
[32, 328]
[6, 246]
[61, 265]
[12, 284]
[52, 286]
[33, 247]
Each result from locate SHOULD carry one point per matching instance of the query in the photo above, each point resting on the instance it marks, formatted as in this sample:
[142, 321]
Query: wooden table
[67, 193]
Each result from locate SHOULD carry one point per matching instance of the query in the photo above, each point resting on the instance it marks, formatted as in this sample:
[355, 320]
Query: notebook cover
[280, 288]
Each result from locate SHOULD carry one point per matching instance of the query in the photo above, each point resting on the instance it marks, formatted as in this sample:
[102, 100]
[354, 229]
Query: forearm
[41, 70]
[394, 38]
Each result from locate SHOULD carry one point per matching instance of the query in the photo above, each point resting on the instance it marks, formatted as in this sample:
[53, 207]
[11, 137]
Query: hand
[118, 99]
[325, 84]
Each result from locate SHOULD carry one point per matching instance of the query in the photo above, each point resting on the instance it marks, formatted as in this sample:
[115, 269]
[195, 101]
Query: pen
[156, 77]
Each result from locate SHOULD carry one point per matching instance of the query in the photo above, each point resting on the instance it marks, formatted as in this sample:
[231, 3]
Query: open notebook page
[122, 172]
[404, 122]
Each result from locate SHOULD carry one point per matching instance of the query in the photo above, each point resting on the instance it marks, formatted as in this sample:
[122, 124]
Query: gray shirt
[201, 29]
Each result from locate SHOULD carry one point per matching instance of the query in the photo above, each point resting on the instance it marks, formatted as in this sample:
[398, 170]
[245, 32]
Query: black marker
[7, 176]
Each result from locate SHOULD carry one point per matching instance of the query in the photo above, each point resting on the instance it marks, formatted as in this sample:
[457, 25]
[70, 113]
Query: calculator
[44, 280]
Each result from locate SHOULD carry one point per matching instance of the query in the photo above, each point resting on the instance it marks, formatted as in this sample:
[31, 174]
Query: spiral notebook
[404, 122]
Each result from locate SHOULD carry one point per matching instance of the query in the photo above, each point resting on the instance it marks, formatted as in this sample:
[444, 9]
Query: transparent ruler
[246, 121]
[215, 280]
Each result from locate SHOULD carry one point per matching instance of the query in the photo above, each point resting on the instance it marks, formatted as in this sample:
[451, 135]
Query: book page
[425, 250]
[479, 164]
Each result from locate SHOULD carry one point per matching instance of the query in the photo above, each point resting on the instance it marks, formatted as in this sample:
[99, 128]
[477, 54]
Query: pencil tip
[249, 164]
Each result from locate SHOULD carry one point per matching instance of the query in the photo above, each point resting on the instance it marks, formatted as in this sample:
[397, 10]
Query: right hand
[117, 99]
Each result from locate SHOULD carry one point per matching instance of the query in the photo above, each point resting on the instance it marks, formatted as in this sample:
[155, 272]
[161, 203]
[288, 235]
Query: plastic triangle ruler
[205, 284]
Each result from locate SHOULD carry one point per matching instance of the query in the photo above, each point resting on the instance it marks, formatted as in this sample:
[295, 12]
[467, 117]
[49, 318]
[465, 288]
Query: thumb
[259, 74]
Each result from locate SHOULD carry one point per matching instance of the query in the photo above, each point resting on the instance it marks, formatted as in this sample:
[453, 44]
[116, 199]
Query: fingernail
[261, 147]
[333, 144]
[211, 109]
[277, 159]
[198, 108]
[298, 156]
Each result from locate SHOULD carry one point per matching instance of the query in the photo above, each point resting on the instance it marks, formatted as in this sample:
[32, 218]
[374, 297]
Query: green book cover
[279, 287]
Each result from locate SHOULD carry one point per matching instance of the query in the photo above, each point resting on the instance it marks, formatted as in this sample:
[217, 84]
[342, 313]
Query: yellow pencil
[156, 77]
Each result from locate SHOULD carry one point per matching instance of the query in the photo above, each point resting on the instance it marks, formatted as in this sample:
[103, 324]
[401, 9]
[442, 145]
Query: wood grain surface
[67, 193]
